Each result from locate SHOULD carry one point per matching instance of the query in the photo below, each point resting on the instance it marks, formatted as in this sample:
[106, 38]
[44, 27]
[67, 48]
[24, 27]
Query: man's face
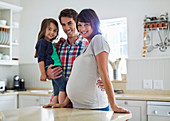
[69, 26]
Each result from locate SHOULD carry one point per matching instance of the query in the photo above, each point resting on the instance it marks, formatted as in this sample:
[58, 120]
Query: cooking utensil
[162, 46]
[151, 47]
[147, 38]
[144, 45]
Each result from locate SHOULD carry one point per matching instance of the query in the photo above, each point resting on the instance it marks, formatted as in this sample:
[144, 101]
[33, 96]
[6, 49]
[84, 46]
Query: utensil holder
[115, 74]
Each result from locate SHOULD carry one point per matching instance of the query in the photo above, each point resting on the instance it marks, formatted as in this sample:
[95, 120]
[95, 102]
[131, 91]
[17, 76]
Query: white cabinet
[7, 11]
[8, 102]
[33, 100]
[138, 109]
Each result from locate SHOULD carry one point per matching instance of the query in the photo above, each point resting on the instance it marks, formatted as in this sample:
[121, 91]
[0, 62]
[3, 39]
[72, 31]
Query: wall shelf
[7, 12]
[6, 6]
[149, 58]
[9, 62]
[4, 46]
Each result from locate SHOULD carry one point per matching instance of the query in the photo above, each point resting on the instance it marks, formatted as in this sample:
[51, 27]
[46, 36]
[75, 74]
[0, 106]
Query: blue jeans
[103, 109]
[59, 84]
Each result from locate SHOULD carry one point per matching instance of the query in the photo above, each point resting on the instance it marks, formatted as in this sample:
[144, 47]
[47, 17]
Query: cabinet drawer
[8, 102]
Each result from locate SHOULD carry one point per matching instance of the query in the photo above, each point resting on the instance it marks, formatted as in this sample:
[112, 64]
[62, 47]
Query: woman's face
[85, 30]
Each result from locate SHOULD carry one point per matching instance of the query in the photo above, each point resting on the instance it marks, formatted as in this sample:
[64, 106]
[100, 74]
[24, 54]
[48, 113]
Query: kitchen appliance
[19, 84]
[2, 86]
[22, 85]
[158, 111]
[16, 82]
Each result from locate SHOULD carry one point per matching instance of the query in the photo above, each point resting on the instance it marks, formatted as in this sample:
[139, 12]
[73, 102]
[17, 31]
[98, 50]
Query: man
[71, 48]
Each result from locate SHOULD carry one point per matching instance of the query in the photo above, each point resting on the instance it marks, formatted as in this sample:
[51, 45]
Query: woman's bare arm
[102, 63]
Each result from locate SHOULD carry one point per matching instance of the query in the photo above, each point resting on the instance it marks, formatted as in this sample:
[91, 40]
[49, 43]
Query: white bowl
[5, 57]
[3, 22]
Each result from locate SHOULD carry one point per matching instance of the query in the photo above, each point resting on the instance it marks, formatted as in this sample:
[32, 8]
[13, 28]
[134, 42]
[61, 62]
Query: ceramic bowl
[3, 22]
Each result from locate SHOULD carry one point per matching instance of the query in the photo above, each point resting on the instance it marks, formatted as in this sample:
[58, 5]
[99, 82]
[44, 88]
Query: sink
[40, 91]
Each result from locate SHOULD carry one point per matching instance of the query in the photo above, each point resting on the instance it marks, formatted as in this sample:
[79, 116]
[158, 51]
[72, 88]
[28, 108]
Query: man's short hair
[68, 13]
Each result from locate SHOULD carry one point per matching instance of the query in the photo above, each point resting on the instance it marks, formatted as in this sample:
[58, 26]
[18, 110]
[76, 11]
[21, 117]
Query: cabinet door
[28, 100]
[8, 102]
[33, 100]
[138, 109]
[44, 100]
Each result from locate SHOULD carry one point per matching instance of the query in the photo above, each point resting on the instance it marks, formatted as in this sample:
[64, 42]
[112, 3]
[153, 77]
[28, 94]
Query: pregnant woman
[90, 66]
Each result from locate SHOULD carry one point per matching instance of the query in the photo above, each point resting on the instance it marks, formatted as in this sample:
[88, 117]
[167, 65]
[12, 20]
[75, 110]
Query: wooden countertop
[61, 114]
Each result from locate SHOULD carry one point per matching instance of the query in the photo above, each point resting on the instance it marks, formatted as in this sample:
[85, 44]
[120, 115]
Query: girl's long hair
[45, 23]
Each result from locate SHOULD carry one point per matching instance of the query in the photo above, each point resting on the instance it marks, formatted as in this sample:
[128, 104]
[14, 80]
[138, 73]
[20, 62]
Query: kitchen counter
[29, 92]
[143, 97]
[61, 114]
[136, 95]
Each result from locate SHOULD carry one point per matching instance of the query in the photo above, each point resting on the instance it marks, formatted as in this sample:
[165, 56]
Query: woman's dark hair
[45, 23]
[89, 16]
[68, 13]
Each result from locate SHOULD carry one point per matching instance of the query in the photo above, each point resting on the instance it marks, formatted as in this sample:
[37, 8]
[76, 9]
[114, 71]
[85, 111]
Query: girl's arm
[42, 70]
[102, 63]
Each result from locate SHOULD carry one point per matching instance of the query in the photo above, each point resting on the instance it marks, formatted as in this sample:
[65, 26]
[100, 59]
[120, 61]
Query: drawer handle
[155, 112]
[168, 113]
[126, 103]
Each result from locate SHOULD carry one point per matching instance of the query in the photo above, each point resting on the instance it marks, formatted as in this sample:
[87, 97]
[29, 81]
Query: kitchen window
[115, 32]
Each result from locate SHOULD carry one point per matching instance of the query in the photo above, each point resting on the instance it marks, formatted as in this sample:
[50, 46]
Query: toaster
[2, 86]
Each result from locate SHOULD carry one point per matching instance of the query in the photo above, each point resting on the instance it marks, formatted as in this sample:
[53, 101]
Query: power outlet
[147, 84]
[158, 84]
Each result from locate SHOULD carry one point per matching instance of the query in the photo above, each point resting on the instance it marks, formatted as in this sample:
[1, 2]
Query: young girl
[47, 55]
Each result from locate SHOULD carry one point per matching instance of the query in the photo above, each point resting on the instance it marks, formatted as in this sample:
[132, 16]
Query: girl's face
[51, 32]
[85, 30]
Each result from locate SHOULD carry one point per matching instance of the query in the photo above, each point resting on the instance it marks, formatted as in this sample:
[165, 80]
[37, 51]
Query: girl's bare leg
[62, 96]
[55, 99]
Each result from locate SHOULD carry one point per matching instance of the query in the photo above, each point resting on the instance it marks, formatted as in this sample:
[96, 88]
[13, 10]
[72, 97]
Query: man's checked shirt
[68, 54]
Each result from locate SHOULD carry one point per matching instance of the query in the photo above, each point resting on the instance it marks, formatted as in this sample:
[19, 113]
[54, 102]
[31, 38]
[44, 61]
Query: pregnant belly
[81, 92]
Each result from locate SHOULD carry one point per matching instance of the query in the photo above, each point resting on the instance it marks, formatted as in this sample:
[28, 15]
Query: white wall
[135, 10]
[36, 10]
